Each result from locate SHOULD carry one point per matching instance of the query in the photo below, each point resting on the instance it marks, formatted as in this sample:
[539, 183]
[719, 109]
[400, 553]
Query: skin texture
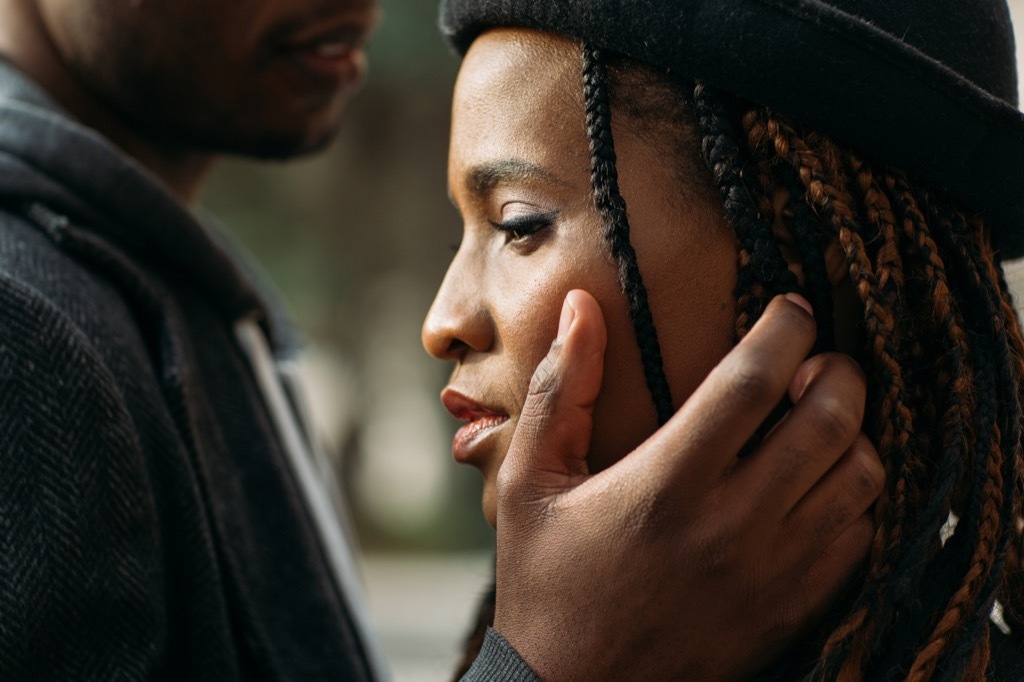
[594, 573]
[497, 310]
[752, 550]
[177, 83]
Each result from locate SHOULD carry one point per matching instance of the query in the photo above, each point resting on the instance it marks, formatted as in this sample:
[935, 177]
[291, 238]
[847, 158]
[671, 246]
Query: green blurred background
[357, 240]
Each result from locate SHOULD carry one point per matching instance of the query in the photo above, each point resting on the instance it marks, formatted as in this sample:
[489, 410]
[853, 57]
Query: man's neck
[184, 173]
[24, 42]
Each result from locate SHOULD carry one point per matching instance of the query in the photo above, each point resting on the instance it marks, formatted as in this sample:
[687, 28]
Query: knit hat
[929, 86]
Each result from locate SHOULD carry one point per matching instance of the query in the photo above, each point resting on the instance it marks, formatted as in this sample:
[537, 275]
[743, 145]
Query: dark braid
[802, 224]
[1001, 508]
[610, 204]
[942, 353]
[763, 272]
[956, 415]
[942, 350]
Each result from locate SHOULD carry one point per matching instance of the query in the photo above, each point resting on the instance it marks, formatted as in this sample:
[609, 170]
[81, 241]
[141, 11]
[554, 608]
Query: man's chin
[279, 147]
[266, 143]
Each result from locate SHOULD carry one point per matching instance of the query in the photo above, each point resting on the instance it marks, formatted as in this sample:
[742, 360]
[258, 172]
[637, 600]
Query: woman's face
[518, 173]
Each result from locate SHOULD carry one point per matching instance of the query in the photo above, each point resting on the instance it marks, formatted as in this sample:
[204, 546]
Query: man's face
[265, 78]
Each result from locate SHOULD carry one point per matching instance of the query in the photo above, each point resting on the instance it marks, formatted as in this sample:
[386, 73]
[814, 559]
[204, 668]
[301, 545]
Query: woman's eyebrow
[486, 176]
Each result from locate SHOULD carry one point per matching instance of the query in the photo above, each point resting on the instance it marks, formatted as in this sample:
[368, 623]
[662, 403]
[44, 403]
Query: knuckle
[519, 498]
[804, 325]
[868, 474]
[510, 481]
[862, 533]
[508, 476]
[797, 321]
[751, 384]
[835, 420]
[864, 478]
[656, 514]
[836, 517]
[715, 550]
[786, 469]
[545, 382]
[545, 387]
[846, 372]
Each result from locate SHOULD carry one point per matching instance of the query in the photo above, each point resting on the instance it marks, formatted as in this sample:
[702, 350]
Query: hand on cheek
[682, 560]
[553, 435]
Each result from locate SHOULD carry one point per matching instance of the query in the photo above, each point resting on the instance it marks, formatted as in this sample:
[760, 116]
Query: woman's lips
[470, 434]
[481, 421]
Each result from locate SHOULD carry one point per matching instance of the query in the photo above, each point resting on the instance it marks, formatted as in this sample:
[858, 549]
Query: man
[160, 513]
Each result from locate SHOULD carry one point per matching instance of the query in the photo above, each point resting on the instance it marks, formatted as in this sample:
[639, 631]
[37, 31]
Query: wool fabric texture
[929, 86]
[149, 523]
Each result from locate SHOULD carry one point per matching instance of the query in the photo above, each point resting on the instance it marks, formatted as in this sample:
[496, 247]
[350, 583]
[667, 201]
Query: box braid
[762, 270]
[806, 237]
[610, 204]
[941, 346]
[942, 351]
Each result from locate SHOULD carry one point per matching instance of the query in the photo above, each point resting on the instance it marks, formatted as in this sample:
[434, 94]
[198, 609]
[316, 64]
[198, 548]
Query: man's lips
[481, 420]
[328, 38]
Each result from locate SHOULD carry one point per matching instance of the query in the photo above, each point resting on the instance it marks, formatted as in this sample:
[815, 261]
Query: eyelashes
[520, 227]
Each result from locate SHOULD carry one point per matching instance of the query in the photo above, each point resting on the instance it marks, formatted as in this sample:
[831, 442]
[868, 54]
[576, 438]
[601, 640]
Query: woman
[589, 151]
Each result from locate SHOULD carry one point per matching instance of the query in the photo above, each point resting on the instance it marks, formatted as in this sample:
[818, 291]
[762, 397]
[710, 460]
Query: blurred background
[357, 241]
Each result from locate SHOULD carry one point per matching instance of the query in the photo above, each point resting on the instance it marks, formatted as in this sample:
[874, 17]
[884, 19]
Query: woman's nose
[458, 321]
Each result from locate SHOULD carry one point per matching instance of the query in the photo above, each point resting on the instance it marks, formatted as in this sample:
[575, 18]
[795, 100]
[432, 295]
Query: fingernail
[800, 301]
[565, 320]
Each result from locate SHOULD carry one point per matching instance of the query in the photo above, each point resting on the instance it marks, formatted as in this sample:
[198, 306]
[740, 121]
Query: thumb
[549, 448]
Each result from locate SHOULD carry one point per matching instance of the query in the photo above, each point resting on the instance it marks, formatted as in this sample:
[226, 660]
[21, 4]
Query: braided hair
[610, 204]
[941, 346]
[940, 343]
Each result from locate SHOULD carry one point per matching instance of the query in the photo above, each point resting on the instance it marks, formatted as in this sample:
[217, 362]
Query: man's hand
[683, 561]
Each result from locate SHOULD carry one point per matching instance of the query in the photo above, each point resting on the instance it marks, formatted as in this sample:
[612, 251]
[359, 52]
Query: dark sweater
[150, 524]
[150, 527]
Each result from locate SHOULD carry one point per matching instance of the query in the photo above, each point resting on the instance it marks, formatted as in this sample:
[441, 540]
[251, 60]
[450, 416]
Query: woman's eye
[521, 226]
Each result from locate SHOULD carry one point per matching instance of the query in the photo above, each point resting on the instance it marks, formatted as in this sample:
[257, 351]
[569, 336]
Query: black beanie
[929, 86]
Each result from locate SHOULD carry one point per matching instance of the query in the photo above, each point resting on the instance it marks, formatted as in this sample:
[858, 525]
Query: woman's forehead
[517, 60]
[519, 92]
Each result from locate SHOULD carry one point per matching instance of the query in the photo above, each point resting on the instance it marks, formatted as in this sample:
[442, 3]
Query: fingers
[841, 497]
[829, 535]
[725, 410]
[829, 391]
[552, 436]
[826, 579]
